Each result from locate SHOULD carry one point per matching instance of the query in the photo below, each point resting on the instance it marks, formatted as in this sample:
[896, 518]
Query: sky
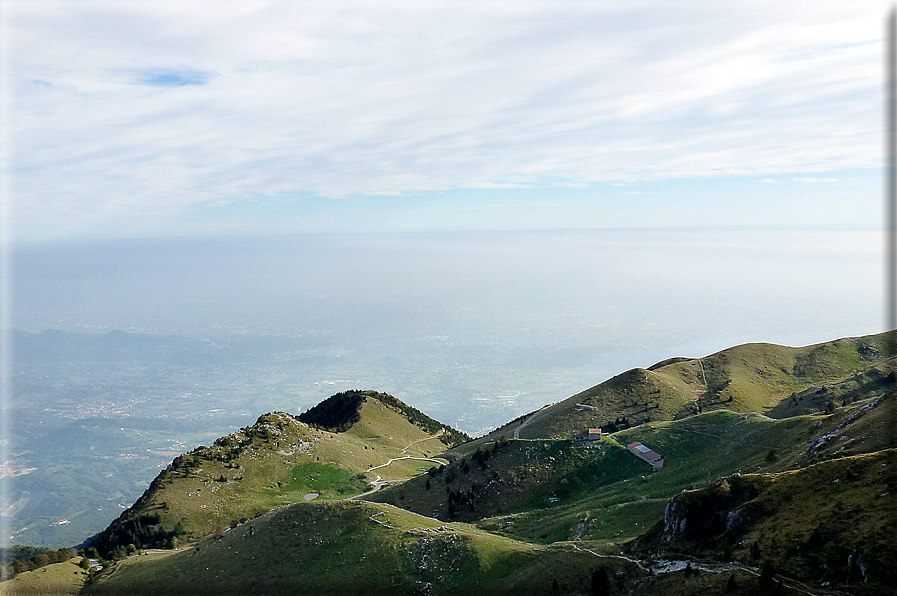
[154, 119]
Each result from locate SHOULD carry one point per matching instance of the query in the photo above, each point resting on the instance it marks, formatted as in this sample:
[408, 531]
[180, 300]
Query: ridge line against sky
[154, 118]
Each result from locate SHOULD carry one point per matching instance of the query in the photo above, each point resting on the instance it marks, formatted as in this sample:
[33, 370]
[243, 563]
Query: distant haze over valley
[161, 345]
[520, 318]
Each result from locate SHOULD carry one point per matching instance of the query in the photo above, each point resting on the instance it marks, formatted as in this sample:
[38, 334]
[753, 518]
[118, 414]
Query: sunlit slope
[746, 378]
[549, 490]
[834, 521]
[519, 475]
[57, 579]
[276, 461]
[361, 548]
[800, 440]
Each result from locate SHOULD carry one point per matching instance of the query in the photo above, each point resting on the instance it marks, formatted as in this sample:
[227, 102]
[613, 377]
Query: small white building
[645, 453]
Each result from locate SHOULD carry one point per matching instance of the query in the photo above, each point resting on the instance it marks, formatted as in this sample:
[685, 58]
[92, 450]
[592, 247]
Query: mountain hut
[590, 435]
[645, 453]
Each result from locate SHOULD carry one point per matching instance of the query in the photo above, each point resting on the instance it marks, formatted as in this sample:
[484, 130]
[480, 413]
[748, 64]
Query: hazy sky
[152, 118]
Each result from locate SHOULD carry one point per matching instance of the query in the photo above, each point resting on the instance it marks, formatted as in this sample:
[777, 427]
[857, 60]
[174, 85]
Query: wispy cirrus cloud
[148, 109]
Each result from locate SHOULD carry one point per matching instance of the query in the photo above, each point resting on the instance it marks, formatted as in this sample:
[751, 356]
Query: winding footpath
[436, 461]
[380, 483]
[670, 566]
[527, 421]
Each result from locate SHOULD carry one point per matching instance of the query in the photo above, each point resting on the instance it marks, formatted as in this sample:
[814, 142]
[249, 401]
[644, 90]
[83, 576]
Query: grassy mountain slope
[58, 579]
[563, 481]
[772, 454]
[745, 378]
[362, 548]
[829, 522]
[551, 490]
[278, 460]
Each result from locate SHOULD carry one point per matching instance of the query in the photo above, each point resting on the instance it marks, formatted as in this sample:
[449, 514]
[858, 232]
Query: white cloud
[137, 110]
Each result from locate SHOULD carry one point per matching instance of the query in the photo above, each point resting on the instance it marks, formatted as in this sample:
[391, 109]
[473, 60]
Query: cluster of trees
[232, 446]
[450, 475]
[618, 424]
[123, 551]
[459, 498]
[18, 559]
[868, 384]
[462, 499]
[337, 413]
[184, 463]
[126, 536]
[641, 404]
[481, 456]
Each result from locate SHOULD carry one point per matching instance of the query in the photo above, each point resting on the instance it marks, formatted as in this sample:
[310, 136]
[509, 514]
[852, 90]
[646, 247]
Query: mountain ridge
[796, 445]
[279, 459]
[753, 377]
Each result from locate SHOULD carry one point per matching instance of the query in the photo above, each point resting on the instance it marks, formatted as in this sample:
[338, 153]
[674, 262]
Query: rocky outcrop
[830, 523]
[706, 516]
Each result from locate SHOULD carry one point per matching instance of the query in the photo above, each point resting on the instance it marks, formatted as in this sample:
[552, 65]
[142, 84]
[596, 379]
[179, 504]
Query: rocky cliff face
[708, 517]
[831, 522]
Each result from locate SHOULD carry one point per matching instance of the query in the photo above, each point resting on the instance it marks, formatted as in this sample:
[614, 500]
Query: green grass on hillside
[328, 481]
[254, 470]
[362, 548]
[826, 512]
[809, 523]
[58, 579]
[696, 451]
[545, 491]
[778, 437]
[746, 378]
